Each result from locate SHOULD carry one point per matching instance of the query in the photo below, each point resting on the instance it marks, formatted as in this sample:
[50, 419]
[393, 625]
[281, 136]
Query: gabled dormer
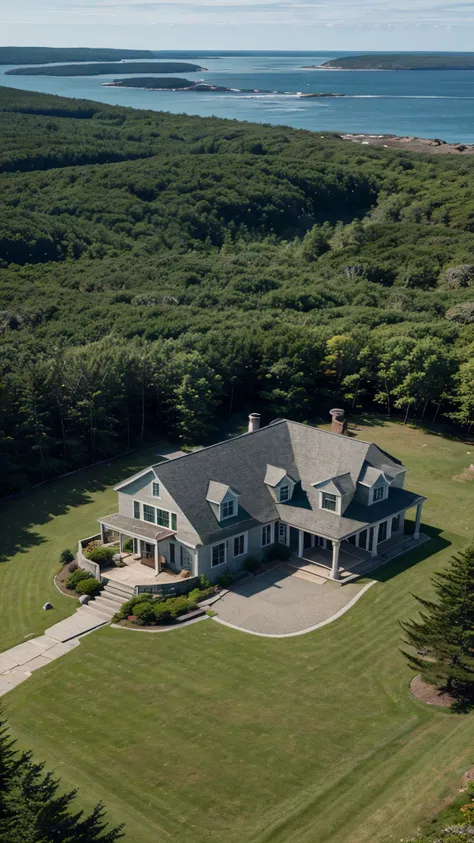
[223, 500]
[280, 484]
[373, 485]
[335, 493]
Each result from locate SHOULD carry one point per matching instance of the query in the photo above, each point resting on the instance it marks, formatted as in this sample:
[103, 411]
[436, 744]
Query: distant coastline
[396, 61]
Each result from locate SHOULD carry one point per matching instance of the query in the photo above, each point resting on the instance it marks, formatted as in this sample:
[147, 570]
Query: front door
[186, 559]
[307, 540]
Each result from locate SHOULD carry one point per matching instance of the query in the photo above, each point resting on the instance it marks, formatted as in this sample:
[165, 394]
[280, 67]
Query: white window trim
[272, 531]
[223, 517]
[156, 483]
[384, 496]
[226, 546]
[150, 506]
[139, 510]
[336, 511]
[287, 534]
[246, 542]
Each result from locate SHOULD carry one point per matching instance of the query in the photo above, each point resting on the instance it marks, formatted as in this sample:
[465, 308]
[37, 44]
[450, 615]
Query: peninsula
[400, 61]
[44, 55]
[101, 68]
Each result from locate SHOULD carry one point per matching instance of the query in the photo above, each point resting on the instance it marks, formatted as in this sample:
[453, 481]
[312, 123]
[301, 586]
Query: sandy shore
[432, 146]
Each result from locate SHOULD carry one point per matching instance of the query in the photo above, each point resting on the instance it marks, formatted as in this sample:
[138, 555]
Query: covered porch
[355, 554]
[138, 545]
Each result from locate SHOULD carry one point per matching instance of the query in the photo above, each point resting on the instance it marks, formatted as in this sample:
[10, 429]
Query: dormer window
[156, 489]
[379, 494]
[329, 502]
[284, 494]
[227, 509]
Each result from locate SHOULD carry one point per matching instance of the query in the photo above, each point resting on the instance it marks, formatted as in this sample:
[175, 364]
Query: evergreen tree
[443, 637]
[32, 811]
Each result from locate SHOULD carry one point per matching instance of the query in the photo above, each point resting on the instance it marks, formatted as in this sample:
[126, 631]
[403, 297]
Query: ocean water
[434, 104]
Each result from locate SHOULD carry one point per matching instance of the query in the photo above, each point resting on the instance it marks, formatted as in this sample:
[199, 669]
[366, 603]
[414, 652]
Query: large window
[149, 513]
[156, 490]
[284, 493]
[329, 502]
[219, 554]
[266, 535]
[379, 494]
[227, 509]
[162, 518]
[136, 509]
[239, 545]
[282, 534]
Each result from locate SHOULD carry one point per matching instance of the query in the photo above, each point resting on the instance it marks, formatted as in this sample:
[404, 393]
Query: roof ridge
[222, 442]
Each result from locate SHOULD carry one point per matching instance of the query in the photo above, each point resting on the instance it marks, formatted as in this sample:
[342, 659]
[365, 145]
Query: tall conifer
[443, 636]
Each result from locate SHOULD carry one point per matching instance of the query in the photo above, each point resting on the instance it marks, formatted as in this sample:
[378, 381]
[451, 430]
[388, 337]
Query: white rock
[47, 606]
[84, 599]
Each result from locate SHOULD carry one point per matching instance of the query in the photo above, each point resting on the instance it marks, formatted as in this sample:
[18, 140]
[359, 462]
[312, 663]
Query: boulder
[47, 606]
[84, 599]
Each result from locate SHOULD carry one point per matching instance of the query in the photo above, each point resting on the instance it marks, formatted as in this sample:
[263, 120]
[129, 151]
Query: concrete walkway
[18, 663]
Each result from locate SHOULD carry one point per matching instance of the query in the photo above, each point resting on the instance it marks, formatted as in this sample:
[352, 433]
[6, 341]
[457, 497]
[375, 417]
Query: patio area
[135, 573]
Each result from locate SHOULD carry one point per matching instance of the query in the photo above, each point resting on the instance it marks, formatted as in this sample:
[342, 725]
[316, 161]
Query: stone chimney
[338, 422]
[254, 422]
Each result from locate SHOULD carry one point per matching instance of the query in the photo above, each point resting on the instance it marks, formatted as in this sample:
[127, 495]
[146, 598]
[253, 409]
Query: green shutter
[174, 521]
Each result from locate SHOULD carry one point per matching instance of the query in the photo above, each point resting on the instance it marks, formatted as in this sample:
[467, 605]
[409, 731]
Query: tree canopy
[159, 272]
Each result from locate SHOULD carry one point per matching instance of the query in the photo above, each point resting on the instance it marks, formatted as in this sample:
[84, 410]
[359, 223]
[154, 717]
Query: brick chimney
[338, 422]
[254, 422]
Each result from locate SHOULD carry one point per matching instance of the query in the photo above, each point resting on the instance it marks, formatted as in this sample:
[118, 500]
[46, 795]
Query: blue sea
[433, 104]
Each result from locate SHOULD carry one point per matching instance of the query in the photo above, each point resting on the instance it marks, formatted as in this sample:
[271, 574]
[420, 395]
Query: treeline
[93, 69]
[43, 55]
[236, 266]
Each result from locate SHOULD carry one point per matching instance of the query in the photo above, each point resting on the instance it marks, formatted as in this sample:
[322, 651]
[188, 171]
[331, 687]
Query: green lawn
[206, 734]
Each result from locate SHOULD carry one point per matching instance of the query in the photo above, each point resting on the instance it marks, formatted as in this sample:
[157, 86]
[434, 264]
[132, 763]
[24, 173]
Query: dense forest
[404, 61]
[160, 272]
[101, 68]
[44, 55]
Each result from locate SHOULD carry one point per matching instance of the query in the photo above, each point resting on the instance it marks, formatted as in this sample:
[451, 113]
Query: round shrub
[66, 557]
[162, 613]
[90, 586]
[145, 612]
[250, 564]
[76, 577]
[103, 556]
[277, 552]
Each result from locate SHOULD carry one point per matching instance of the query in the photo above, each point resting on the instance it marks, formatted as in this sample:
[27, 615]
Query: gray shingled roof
[274, 475]
[216, 492]
[370, 475]
[307, 454]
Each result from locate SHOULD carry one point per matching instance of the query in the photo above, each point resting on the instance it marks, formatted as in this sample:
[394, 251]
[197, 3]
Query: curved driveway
[282, 603]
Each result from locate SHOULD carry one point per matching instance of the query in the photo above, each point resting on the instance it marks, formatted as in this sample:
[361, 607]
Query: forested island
[104, 68]
[159, 272]
[155, 83]
[44, 55]
[401, 61]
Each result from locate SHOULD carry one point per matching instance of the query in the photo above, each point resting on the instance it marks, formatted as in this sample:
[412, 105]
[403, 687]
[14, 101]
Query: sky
[315, 25]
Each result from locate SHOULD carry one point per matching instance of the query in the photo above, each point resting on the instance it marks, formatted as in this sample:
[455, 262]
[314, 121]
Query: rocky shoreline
[149, 85]
[432, 146]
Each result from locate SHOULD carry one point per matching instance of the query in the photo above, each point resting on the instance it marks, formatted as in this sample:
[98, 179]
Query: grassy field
[206, 734]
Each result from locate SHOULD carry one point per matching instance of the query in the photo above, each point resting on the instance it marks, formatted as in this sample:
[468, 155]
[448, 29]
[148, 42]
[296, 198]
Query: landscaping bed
[149, 610]
[75, 582]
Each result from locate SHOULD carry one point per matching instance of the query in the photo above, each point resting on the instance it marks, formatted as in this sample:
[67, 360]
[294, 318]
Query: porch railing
[87, 564]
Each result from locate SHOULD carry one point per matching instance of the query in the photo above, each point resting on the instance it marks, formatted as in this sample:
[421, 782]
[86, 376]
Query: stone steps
[120, 590]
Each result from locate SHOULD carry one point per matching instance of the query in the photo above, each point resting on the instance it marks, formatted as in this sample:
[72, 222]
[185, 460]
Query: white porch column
[336, 545]
[389, 527]
[419, 507]
[313, 540]
[375, 541]
[157, 558]
[300, 543]
[121, 542]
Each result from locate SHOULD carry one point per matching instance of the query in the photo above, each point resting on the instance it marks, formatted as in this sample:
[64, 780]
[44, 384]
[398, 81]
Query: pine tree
[32, 811]
[443, 637]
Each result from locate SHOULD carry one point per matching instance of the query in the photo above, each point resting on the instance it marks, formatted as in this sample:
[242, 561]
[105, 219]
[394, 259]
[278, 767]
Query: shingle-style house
[287, 482]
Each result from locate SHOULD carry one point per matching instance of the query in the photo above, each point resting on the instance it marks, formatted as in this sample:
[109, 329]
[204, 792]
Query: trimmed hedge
[89, 586]
[147, 610]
